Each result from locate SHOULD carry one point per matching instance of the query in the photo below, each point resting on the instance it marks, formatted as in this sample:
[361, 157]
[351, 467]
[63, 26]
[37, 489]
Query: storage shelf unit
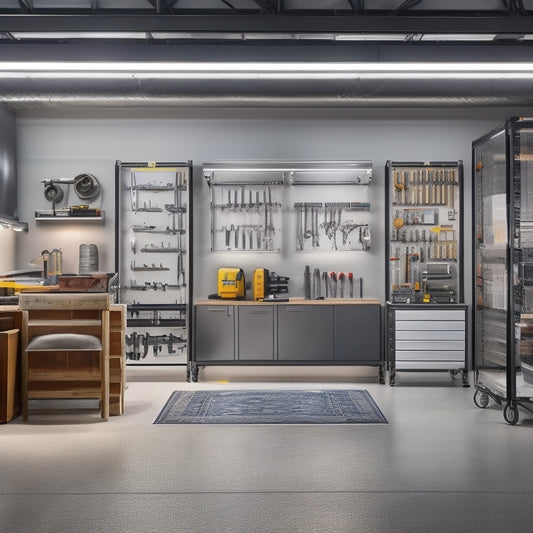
[503, 267]
[426, 321]
[154, 258]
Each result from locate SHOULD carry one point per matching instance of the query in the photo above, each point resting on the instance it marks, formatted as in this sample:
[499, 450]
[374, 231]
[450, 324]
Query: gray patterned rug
[271, 407]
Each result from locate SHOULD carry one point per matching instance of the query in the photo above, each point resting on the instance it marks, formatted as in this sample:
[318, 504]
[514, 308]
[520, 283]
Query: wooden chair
[65, 347]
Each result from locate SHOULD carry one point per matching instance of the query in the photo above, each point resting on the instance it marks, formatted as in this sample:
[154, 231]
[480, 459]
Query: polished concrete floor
[441, 464]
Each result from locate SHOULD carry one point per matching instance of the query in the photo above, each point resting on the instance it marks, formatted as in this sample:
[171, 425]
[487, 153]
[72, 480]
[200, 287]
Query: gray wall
[63, 144]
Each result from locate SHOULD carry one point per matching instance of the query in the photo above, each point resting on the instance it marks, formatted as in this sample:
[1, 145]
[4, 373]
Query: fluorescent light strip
[263, 70]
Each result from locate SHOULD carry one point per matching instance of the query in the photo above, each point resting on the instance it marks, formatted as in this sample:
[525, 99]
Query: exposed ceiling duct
[293, 85]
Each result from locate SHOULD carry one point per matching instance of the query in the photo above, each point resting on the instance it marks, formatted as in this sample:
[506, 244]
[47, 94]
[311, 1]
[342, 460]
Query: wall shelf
[61, 218]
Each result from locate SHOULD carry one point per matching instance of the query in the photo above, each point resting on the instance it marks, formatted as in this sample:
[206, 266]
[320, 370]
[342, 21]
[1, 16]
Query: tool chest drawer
[426, 338]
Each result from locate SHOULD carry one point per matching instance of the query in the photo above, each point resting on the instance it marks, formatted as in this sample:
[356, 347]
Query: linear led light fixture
[79, 35]
[13, 223]
[264, 70]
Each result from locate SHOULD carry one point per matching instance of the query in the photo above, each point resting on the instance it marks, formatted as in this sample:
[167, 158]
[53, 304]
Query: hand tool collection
[250, 215]
[331, 284]
[425, 186]
[156, 315]
[314, 219]
[175, 230]
[423, 246]
[138, 345]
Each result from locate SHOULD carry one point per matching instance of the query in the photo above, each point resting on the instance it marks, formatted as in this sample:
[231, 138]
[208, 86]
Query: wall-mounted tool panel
[338, 221]
[153, 257]
[251, 201]
[424, 230]
[245, 207]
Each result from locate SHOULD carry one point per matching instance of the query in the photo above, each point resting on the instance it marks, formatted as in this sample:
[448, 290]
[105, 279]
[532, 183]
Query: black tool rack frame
[158, 309]
[497, 365]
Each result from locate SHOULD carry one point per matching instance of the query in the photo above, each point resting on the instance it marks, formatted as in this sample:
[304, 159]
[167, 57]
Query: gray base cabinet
[217, 339]
[305, 333]
[427, 338]
[357, 334]
[255, 333]
[285, 334]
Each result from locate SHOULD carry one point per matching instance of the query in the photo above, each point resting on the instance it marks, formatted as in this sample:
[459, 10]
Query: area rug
[271, 407]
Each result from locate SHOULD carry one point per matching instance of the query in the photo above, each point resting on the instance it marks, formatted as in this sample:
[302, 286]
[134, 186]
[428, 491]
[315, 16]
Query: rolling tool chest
[153, 254]
[426, 319]
[502, 164]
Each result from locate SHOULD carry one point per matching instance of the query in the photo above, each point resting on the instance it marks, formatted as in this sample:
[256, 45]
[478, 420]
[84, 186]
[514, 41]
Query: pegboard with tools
[424, 232]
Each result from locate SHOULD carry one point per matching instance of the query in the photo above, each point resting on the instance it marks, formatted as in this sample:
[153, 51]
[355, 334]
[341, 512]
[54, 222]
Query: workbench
[294, 332]
[117, 375]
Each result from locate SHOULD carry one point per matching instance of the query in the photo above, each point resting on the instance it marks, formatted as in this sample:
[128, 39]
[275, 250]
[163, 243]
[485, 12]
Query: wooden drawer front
[430, 335]
[430, 346]
[436, 355]
[430, 314]
[448, 325]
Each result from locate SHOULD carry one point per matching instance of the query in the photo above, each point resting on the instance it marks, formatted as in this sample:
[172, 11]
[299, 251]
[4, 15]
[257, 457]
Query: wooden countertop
[295, 301]
[16, 308]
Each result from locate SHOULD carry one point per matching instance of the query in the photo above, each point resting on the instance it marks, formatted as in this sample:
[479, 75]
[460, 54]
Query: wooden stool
[65, 347]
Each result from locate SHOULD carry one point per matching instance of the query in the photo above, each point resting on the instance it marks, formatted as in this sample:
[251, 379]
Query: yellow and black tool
[230, 284]
[268, 286]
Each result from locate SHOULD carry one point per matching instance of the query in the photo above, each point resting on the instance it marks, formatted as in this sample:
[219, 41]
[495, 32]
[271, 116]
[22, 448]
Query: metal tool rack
[153, 254]
[503, 263]
[248, 199]
[426, 321]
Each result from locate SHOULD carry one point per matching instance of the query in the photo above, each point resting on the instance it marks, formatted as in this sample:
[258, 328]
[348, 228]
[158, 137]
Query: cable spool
[53, 193]
[86, 186]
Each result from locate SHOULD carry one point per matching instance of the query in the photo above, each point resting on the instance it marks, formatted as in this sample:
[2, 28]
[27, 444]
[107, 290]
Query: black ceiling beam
[276, 24]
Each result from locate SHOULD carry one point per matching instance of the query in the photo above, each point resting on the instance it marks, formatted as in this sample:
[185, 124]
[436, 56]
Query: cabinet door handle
[294, 310]
[217, 309]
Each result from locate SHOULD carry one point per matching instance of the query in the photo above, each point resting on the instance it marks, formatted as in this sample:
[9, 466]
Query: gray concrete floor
[441, 464]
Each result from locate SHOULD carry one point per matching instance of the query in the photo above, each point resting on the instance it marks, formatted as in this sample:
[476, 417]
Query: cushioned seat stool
[65, 347]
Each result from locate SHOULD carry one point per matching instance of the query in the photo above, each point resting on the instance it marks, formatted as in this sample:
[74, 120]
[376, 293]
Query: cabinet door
[215, 333]
[357, 333]
[305, 332]
[256, 332]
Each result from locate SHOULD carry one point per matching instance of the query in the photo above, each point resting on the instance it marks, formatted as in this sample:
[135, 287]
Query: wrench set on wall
[329, 219]
[424, 203]
[331, 284]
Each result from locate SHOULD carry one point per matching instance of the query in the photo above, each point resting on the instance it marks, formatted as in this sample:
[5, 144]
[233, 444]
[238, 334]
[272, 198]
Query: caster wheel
[481, 399]
[453, 374]
[510, 413]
